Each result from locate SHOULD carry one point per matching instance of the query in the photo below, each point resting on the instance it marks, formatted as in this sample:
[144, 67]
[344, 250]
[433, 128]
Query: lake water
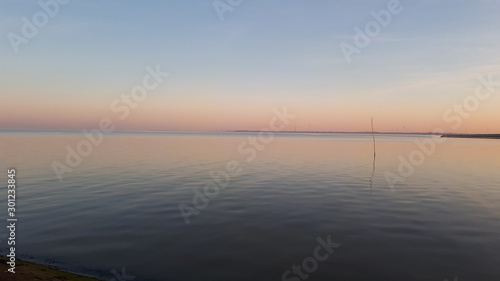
[119, 209]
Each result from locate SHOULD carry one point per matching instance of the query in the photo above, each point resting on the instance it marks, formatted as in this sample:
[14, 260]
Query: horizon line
[238, 131]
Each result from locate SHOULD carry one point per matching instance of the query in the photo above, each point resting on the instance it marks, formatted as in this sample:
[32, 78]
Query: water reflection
[120, 207]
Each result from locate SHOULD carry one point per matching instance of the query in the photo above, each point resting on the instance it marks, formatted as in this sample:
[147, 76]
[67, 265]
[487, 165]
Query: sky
[231, 62]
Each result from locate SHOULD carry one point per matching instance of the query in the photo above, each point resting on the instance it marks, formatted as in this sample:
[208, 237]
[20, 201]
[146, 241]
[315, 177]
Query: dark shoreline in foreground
[33, 271]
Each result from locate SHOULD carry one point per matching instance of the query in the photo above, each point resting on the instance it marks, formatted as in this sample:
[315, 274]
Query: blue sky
[263, 54]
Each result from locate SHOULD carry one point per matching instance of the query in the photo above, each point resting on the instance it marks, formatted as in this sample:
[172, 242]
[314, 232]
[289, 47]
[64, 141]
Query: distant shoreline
[218, 131]
[74, 131]
[338, 132]
[472, 136]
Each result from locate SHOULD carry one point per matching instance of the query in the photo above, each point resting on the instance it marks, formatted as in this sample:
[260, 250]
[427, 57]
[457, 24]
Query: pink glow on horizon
[209, 114]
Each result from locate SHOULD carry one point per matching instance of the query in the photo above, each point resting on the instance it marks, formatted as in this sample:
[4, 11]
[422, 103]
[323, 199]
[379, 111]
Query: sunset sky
[229, 74]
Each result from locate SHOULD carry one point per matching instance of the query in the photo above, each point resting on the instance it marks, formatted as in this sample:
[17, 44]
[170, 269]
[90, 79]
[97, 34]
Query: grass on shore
[31, 271]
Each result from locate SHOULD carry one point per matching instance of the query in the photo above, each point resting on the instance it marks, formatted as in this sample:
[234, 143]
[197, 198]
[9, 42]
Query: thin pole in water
[373, 136]
[374, 155]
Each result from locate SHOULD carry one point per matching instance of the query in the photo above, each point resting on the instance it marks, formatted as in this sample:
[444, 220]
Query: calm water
[120, 207]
